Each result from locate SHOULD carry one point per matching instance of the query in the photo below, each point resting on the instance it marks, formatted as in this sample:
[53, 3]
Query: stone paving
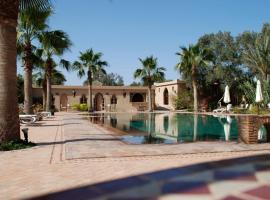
[83, 159]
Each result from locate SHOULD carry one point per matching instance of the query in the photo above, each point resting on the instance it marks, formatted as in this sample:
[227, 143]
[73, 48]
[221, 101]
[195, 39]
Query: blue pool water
[145, 128]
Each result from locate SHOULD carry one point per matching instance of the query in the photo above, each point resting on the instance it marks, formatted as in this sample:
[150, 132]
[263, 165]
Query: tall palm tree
[257, 57]
[53, 43]
[149, 72]
[90, 63]
[39, 79]
[31, 23]
[190, 59]
[9, 118]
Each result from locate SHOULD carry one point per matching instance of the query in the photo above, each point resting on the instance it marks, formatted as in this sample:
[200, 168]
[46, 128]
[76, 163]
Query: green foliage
[15, 145]
[80, 107]
[149, 71]
[134, 83]
[110, 79]
[257, 55]
[248, 88]
[37, 108]
[183, 100]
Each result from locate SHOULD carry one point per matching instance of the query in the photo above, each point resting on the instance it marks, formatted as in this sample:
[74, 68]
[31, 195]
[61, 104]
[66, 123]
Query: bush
[15, 145]
[37, 108]
[182, 101]
[80, 107]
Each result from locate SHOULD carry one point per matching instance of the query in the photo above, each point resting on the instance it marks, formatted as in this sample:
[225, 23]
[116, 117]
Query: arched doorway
[99, 102]
[83, 99]
[63, 102]
[166, 97]
[137, 97]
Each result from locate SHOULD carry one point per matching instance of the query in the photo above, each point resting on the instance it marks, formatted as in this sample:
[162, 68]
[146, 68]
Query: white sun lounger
[28, 119]
[46, 114]
[221, 110]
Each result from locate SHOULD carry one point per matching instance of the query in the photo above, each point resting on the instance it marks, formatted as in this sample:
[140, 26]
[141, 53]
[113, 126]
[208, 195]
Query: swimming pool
[169, 128]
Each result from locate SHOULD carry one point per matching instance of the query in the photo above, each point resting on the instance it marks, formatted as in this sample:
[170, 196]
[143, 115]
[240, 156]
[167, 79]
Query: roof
[74, 87]
[175, 82]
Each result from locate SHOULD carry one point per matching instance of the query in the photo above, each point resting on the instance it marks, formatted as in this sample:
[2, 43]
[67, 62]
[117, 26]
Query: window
[83, 99]
[166, 97]
[113, 99]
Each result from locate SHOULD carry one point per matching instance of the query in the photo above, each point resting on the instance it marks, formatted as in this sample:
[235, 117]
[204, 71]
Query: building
[113, 98]
[166, 92]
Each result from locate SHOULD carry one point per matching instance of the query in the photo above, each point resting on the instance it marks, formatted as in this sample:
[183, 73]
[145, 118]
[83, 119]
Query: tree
[9, 117]
[110, 79]
[149, 73]
[39, 79]
[191, 59]
[134, 83]
[257, 56]
[31, 23]
[90, 64]
[226, 68]
[53, 43]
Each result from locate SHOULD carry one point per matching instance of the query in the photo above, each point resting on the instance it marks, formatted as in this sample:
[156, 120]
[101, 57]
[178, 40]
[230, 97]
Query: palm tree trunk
[48, 80]
[150, 98]
[28, 79]
[9, 118]
[44, 95]
[90, 91]
[195, 90]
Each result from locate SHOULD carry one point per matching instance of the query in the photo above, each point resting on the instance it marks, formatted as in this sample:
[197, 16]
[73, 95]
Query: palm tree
[190, 59]
[31, 23]
[9, 118]
[39, 79]
[257, 56]
[150, 73]
[90, 64]
[53, 43]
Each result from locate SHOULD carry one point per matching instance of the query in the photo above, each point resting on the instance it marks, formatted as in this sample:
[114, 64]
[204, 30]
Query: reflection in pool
[155, 128]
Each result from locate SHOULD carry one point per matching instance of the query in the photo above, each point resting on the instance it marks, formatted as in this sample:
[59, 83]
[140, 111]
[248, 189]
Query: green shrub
[80, 107]
[182, 101]
[15, 145]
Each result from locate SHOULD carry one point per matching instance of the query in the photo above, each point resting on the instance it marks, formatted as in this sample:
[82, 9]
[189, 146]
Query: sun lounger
[45, 114]
[28, 119]
[219, 110]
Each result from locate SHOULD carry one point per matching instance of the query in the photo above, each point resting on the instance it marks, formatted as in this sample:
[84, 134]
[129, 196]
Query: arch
[137, 97]
[166, 97]
[63, 102]
[113, 99]
[83, 99]
[99, 102]
[249, 126]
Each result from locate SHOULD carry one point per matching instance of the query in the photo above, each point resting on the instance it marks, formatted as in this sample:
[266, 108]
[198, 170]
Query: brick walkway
[82, 159]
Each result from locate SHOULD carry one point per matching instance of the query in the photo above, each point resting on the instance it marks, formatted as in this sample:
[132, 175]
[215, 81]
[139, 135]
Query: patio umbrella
[259, 96]
[227, 98]
[227, 130]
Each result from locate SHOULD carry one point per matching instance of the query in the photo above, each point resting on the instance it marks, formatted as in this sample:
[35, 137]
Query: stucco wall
[122, 94]
[174, 88]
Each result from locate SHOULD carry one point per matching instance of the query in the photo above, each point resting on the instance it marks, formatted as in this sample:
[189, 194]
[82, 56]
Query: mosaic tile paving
[233, 179]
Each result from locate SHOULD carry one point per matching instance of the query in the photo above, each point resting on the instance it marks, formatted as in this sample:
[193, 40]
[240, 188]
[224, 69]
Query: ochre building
[115, 98]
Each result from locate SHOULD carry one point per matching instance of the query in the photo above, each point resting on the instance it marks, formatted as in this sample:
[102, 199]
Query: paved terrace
[75, 159]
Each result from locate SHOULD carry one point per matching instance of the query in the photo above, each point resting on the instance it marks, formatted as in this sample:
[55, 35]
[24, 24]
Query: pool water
[169, 128]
